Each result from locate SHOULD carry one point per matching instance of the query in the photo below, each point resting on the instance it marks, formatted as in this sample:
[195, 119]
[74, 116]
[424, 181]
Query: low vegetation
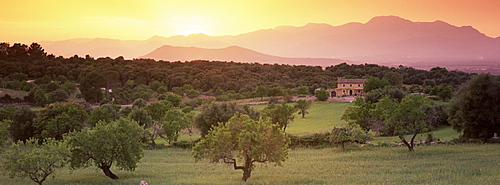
[443, 164]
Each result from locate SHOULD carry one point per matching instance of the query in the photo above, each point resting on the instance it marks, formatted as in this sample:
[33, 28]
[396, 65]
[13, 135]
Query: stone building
[348, 87]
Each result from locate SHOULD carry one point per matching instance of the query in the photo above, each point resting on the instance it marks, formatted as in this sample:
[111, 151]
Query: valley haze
[384, 40]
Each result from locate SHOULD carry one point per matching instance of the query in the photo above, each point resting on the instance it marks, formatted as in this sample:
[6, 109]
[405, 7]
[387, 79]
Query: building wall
[350, 85]
[348, 88]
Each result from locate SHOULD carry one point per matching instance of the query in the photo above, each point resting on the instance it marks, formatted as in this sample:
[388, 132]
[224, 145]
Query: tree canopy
[245, 141]
[373, 83]
[30, 159]
[280, 114]
[213, 114]
[302, 106]
[321, 94]
[57, 119]
[409, 119]
[107, 144]
[123, 80]
[475, 107]
[342, 135]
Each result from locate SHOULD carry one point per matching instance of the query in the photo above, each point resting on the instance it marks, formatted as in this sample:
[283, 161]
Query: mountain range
[232, 53]
[384, 39]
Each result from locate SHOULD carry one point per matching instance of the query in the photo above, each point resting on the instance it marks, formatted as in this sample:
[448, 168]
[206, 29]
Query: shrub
[310, 141]
[162, 90]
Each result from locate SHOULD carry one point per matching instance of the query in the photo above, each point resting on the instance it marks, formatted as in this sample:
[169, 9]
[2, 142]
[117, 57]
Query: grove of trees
[56, 78]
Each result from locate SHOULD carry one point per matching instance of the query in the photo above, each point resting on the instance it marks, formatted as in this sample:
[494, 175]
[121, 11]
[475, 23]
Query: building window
[350, 85]
[343, 85]
[359, 85]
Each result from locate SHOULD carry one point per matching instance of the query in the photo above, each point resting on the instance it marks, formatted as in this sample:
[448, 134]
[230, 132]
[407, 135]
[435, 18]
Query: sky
[29, 21]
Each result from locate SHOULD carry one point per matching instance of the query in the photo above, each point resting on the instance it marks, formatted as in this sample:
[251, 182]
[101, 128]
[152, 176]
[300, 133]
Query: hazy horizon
[27, 21]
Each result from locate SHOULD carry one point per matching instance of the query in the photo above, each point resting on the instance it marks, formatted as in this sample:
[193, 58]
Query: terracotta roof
[343, 80]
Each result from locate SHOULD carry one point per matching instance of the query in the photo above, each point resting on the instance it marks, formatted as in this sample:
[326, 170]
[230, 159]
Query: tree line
[122, 81]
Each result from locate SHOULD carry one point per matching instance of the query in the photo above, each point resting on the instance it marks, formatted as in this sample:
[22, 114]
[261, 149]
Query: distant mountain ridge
[231, 53]
[382, 39]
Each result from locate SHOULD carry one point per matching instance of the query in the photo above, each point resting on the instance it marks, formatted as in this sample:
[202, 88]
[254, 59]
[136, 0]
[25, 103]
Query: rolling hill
[232, 53]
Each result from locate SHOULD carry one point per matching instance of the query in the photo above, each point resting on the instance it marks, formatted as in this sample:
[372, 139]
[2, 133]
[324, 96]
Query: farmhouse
[348, 87]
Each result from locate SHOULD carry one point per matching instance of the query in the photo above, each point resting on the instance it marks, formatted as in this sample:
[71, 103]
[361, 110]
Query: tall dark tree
[91, 86]
[475, 107]
[35, 51]
[18, 52]
[21, 126]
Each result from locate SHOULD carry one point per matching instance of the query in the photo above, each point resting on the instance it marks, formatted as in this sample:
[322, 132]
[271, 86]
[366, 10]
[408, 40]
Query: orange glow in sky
[29, 21]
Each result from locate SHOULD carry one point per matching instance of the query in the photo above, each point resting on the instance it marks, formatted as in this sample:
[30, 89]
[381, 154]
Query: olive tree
[30, 159]
[244, 141]
[342, 135]
[359, 114]
[172, 124]
[302, 106]
[57, 119]
[409, 119]
[281, 114]
[117, 142]
[157, 112]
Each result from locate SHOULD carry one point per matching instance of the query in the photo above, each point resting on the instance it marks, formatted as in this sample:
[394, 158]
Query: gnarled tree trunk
[108, 172]
[247, 168]
[410, 145]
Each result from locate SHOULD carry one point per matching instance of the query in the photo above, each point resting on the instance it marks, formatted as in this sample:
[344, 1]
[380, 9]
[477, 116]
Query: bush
[162, 97]
[174, 99]
[310, 141]
[288, 97]
[162, 90]
[322, 95]
[191, 93]
[185, 144]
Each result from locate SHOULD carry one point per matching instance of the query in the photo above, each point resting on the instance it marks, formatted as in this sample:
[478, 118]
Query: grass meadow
[436, 164]
[322, 117]
[13, 93]
[428, 164]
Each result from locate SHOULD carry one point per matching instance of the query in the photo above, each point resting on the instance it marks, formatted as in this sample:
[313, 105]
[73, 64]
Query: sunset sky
[29, 21]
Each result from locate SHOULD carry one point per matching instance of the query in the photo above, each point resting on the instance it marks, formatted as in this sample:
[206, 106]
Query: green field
[322, 118]
[439, 164]
[13, 93]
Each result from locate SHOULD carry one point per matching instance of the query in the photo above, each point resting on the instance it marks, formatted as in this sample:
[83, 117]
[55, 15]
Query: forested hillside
[46, 76]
